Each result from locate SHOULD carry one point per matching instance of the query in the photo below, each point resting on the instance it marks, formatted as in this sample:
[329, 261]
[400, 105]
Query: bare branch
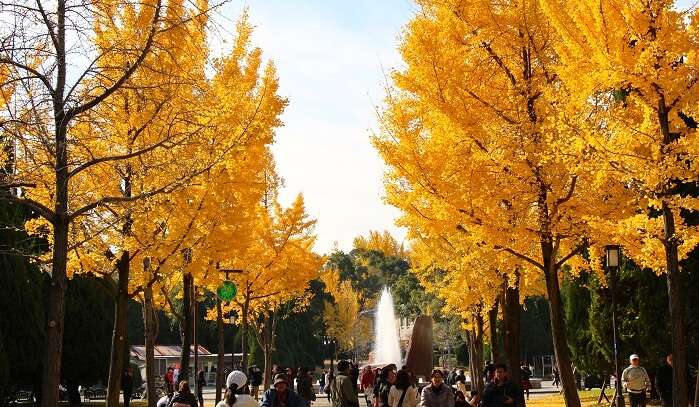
[131, 69]
[582, 246]
[133, 154]
[49, 25]
[38, 207]
[43, 78]
[520, 256]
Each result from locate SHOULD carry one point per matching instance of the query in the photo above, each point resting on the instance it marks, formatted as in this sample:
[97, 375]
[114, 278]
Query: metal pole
[615, 332]
[196, 342]
[332, 356]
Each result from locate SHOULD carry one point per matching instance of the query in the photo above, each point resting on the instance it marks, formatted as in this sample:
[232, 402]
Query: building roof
[165, 351]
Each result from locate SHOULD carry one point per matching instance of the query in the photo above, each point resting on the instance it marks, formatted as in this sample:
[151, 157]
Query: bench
[95, 394]
[22, 397]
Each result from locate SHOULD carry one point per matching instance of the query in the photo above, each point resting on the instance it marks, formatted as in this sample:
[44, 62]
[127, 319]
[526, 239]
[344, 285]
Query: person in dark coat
[488, 371]
[501, 392]
[525, 375]
[385, 387]
[663, 383]
[127, 385]
[304, 385]
[184, 396]
[281, 395]
[354, 375]
[201, 382]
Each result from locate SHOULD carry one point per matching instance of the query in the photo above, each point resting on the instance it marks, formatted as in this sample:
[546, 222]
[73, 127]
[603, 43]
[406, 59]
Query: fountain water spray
[386, 342]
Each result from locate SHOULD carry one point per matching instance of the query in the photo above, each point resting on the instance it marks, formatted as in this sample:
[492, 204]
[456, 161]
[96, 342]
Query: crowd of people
[392, 387]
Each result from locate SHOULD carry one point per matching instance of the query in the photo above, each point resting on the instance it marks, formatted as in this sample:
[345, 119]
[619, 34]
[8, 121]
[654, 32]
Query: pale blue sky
[331, 57]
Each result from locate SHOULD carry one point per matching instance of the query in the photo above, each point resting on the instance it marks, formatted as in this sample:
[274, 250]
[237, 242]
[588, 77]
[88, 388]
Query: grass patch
[587, 399]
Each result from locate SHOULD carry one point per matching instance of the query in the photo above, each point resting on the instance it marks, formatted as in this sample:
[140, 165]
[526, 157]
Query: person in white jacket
[237, 392]
[636, 381]
[403, 393]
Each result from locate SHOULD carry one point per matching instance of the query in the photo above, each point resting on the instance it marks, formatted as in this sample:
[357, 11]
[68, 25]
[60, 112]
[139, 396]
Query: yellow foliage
[631, 72]
[342, 316]
[381, 242]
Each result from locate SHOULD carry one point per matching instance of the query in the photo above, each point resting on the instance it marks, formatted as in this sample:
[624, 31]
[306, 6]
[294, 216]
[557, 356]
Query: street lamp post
[612, 256]
[329, 344]
[227, 292]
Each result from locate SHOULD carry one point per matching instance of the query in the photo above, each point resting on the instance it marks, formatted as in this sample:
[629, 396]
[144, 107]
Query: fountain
[386, 342]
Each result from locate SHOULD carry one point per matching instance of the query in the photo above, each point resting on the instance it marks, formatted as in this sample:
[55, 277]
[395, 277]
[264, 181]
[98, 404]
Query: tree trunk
[511, 317]
[55, 317]
[475, 353]
[195, 317]
[560, 343]
[56, 304]
[244, 337]
[148, 321]
[493, 330]
[116, 364]
[674, 289]
[221, 350]
[267, 348]
[186, 326]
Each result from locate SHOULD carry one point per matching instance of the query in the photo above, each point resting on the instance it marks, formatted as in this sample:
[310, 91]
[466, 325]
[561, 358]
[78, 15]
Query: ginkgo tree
[241, 107]
[471, 132]
[343, 315]
[50, 52]
[102, 156]
[276, 264]
[631, 70]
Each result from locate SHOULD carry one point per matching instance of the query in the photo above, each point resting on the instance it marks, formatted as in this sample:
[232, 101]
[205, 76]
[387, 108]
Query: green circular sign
[227, 291]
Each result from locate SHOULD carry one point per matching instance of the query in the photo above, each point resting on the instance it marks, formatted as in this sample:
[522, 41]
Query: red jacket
[367, 379]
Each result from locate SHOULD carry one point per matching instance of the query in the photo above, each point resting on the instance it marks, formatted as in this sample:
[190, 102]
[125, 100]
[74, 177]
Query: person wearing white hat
[635, 379]
[236, 391]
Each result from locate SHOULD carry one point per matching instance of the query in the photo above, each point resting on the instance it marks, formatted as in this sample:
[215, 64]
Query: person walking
[127, 385]
[304, 385]
[201, 382]
[342, 392]
[403, 393]
[663, 382]
[502, 392]
[367, 380]
[389, 379]
[354, 375]
[169, 380]
[556, 376]
[525, 374]
[256, 382]
[183, 397]
[329, 378]
[236, 392]
[635, 380]
[488, 372]
[281, 395]
[321, 382]
[437, 394]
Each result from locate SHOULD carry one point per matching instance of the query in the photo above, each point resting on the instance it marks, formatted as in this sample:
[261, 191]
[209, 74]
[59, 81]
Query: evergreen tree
[22, 296]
